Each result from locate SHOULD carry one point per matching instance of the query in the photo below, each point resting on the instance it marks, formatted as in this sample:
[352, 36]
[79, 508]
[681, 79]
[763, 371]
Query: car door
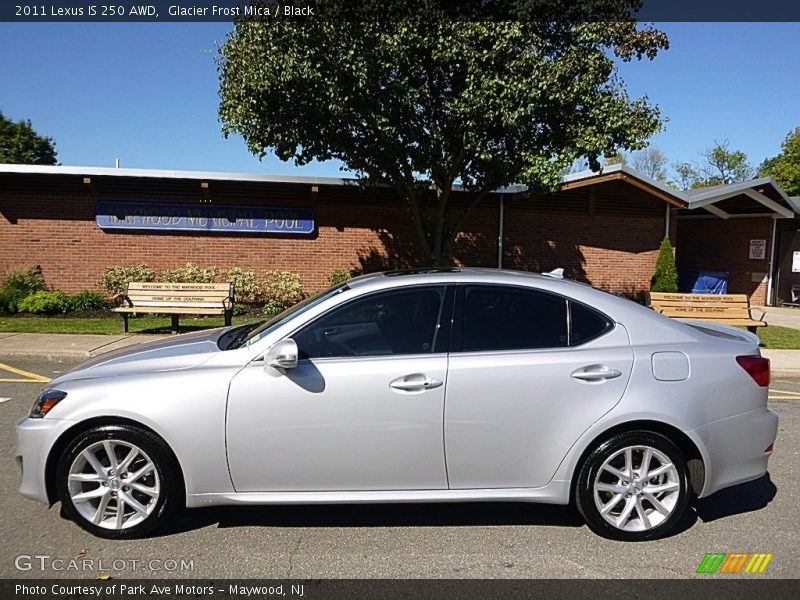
[362, 410]
[530, 372]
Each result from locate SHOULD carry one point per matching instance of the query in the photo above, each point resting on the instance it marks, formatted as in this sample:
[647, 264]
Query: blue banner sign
[204, 217]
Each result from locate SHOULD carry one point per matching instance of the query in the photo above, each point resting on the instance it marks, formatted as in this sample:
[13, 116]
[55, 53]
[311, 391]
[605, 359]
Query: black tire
[166, 467]
[585, 493]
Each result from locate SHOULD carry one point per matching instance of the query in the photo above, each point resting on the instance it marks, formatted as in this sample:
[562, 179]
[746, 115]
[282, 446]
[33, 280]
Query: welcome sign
[204, 217]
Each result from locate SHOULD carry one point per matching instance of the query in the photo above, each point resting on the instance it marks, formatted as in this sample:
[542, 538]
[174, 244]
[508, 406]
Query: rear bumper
[35, 438]
[736, 448]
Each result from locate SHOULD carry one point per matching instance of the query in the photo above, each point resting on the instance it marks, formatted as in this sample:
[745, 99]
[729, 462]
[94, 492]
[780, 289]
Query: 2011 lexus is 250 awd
[438, 385]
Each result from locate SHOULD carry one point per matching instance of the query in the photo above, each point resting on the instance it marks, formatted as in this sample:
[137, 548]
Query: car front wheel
[633, 487]
[118, 481]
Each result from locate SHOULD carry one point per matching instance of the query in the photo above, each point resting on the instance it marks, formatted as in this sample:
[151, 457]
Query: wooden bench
[176, 299]
[730, 309]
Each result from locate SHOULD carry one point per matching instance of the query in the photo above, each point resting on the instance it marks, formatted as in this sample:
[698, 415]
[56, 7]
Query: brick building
[602, 228]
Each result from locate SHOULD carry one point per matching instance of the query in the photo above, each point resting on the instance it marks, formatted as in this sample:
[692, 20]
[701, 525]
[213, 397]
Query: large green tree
[421, 101]
[785, 167]
[20, 144]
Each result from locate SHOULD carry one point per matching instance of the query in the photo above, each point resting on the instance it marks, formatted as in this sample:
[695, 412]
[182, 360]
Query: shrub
[10, 299]
[238, 310]
[88, 300]
[113, 279]
[339, 276]
[282, 287]
[272, 308]
[189, 273]
[45, 303]
[18, 284]
[25, 280]
[246, 288]
[665, 279]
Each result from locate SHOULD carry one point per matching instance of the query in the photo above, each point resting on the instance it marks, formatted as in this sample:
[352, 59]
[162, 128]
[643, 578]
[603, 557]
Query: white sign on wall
[758, 249]
[796, 261]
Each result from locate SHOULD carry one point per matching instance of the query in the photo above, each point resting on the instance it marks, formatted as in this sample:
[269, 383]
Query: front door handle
[415, 382]
[596, 373]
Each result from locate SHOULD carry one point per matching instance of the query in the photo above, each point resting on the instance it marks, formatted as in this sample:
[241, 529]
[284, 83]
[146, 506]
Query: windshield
[289, 313]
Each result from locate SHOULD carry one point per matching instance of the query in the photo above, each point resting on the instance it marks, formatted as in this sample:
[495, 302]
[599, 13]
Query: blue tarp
[703, 282]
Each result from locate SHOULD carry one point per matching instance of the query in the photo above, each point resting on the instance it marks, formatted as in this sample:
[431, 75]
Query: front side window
[508, 318]
[388, 323]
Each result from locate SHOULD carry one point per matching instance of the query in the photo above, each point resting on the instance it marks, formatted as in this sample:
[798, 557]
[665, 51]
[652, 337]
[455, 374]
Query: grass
[110, 325]
[779, 338]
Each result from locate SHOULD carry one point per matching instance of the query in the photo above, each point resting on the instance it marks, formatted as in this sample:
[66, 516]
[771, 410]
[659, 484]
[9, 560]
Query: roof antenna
[555, 273]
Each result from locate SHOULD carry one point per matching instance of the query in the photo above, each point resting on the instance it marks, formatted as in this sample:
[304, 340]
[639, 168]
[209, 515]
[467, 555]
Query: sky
[147, 93]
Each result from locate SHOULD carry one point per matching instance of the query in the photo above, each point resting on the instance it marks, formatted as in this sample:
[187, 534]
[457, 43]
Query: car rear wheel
[118, 481]
[633, 487]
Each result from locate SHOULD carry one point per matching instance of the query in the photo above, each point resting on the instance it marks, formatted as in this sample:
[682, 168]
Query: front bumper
[35, 438]
[736, 448]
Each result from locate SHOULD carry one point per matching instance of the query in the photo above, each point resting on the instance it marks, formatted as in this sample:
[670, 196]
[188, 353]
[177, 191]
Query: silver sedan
[440, 385]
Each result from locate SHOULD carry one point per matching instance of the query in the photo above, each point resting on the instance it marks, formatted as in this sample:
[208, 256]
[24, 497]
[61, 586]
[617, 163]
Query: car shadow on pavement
[374, 515]
[742, 498]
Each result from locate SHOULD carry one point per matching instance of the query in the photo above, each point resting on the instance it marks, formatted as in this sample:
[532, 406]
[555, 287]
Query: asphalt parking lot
[428, 541]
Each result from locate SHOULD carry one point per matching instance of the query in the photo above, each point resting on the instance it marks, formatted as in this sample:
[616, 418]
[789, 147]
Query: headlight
[46, 402]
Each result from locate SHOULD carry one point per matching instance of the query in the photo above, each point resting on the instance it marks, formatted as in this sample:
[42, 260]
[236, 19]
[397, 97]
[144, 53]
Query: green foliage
[17, 285]
[282, 288]
[419, 103]
[246, 287]
[723, 165]
[189, 273]
[272, 308]
[339, 276]
[10, 299]
[20, 144]
[45, 303]
[27, 280]
[665, 278]
[785, 167]
[88, 300]
[113, 279]
[239, 310]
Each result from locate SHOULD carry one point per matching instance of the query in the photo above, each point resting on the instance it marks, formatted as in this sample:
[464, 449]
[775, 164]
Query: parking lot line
[28, 377]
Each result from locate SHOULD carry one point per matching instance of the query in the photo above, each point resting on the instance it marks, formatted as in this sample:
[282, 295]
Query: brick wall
[611, 242]
[616, 253]
[717, 244]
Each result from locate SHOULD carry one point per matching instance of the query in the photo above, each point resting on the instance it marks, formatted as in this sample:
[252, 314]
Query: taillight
[757, 367]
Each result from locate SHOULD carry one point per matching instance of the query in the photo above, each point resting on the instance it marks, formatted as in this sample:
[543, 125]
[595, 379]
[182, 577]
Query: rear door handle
[596, 373]
[415, 382]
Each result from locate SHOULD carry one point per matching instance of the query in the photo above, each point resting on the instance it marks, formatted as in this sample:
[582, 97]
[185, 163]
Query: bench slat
[734, 322]
[722, 311]
[157, 286]
[167, 304]
[697, 305]
[717, 298]
[169, 311]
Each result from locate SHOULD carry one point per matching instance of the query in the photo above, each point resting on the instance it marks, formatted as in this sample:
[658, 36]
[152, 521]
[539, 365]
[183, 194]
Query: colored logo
[738, 562]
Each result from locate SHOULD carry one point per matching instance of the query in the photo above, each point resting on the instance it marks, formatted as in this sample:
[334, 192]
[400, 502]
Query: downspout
[771, 261]
[500, 230]
[666, 222]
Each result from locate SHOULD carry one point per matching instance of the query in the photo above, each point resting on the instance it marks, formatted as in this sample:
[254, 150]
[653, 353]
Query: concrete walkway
[66, 345]
[782, 316]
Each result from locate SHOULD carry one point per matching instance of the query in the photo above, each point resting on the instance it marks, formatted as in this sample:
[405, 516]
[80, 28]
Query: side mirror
[282, 355]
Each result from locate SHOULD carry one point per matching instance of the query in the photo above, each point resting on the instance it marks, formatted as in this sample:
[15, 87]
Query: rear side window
[508, 318]
[586, 324]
